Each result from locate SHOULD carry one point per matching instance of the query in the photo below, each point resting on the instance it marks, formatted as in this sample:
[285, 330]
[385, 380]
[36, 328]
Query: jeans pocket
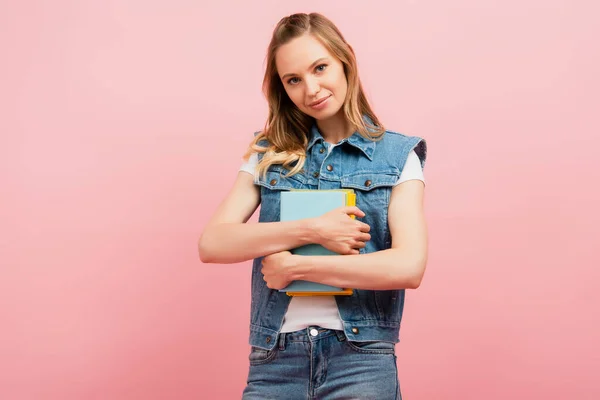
[372, 347]
[260, 356]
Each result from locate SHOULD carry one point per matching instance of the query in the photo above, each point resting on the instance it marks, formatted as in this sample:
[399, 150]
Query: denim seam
[373, 351]
[271, 355]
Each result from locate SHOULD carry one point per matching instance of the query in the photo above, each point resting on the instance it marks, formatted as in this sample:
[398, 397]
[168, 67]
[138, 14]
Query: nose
[312, 87]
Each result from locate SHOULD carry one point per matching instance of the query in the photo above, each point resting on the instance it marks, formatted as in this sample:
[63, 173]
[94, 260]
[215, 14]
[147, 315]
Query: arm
[401, 266]
[228, 239]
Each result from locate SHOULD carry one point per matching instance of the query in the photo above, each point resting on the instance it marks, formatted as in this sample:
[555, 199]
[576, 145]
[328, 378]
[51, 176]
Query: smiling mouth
[316, 103]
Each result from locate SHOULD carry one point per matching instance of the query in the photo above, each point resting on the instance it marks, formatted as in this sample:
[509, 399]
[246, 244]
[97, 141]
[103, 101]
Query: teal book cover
[301, 204]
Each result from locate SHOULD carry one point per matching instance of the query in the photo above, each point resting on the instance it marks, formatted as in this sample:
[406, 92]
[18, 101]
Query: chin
[325, 114]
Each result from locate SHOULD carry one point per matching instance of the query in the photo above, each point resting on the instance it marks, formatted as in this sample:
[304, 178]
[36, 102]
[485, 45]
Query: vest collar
[365, 145]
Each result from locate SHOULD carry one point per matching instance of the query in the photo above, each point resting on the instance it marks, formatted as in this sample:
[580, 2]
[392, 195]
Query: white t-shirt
[322, 310]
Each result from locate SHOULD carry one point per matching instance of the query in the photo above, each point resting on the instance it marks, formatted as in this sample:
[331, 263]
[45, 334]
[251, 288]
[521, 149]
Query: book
[306, 203]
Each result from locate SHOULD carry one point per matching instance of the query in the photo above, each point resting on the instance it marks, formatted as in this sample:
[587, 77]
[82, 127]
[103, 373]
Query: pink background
[122, 126]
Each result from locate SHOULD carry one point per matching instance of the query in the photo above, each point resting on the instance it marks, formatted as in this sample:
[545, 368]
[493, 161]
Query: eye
[321, 67]
[293, 81]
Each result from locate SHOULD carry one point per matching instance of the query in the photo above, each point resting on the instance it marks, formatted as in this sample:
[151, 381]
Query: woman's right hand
[338, 232]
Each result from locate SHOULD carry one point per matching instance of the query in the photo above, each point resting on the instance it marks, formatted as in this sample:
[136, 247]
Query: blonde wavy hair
[286, 131]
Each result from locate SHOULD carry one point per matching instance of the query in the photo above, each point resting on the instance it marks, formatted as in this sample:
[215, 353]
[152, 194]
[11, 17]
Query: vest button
[355, 330]
[273, 181]
[269, 339]
[316, 174]
[329, 167]
[321, 150]
[368, 183]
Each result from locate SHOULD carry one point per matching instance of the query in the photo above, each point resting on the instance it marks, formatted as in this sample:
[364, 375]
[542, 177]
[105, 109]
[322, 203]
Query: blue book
[301, 204]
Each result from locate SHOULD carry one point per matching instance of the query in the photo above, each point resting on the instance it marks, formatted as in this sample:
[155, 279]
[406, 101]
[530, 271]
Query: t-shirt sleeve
[250, 165]
[412, 169]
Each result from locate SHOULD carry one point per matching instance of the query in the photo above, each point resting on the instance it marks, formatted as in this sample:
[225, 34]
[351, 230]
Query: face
[313, 78]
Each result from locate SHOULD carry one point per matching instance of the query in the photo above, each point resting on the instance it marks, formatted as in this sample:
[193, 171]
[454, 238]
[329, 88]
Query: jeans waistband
[309, 334]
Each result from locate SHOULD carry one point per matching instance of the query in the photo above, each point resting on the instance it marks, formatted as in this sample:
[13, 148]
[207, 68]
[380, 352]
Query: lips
[317, 102]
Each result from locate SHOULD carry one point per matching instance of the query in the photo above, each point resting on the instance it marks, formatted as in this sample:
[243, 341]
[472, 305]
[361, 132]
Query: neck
[335, 128]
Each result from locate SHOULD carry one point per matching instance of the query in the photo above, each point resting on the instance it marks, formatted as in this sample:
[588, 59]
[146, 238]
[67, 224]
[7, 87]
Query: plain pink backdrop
[122, 126]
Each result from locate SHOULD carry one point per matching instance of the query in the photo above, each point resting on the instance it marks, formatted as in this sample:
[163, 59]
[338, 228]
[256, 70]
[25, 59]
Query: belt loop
[281, 341]
[340, 335]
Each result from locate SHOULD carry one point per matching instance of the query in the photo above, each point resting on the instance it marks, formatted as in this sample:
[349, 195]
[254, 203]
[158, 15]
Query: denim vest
[370, 168]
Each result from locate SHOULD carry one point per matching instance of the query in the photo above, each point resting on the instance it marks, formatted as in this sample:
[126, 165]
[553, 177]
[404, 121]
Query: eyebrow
[311, 67]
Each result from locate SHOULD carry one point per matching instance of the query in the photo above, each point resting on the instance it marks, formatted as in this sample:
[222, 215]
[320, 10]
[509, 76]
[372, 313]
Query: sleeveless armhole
[412, 169]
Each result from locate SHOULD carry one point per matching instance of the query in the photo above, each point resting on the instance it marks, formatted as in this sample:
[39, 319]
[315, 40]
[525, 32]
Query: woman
[321, 133]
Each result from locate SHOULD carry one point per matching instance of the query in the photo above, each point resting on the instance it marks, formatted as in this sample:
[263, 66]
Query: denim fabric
[370, 168]
[324, 367]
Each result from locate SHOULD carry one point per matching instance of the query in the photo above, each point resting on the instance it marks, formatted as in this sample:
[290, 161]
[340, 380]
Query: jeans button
[355, 330]
[314, 332]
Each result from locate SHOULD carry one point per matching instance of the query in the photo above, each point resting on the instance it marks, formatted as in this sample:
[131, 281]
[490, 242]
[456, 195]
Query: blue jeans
[316, 363]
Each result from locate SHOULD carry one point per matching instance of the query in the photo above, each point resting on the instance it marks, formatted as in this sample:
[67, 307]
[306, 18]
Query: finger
[359, 245]
[354, 251]
[353, 210]
[363, 227]
[365, 237]
[348, 251]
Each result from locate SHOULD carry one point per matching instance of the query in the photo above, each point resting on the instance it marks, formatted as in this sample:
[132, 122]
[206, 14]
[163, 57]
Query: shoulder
[416, 143]
[401, 145]
[260, 138]
[251, 158]
[260, 141]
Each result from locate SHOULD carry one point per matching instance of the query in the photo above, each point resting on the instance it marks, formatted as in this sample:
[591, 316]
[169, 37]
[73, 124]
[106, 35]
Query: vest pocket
[271, 186]
[373, 191]
[275, 179]
[369, 181]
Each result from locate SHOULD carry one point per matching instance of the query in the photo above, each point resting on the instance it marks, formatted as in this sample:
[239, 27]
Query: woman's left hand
[276, 269]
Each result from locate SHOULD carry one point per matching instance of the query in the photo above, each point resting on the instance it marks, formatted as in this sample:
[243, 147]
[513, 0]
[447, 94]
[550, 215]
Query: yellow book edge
[350, 201]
